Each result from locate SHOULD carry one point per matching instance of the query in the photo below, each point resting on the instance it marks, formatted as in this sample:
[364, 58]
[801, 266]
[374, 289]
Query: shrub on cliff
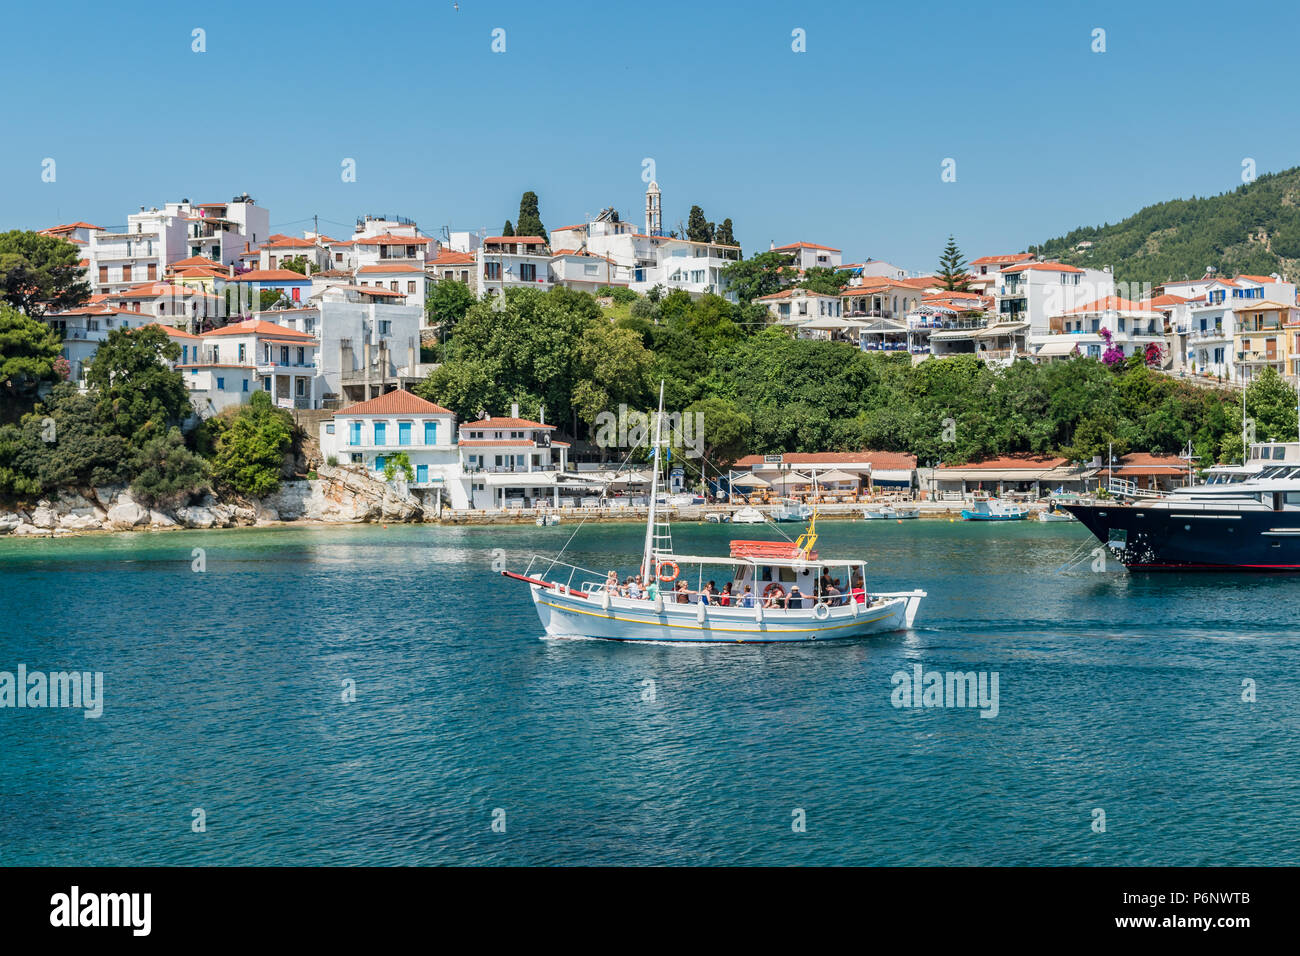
[166, 472]
[251, 450]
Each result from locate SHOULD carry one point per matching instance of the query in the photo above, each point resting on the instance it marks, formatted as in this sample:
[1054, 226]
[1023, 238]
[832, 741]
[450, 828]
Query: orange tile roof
[1110, 303]
[519, 240]
[1010, 462]
[400, 402]
[1264, 279]
[196, 261]
[1042, 267]
[1002, 260]
[271, 275]
[805, 245]
[371, 290]
[494, 422]
[390, 269]
[884, 460]
[289, 242]
[70, 227]
[261, 327]
[449, 258]
[388, 239]
[1165, 300]
[580, 225]
[174, 332]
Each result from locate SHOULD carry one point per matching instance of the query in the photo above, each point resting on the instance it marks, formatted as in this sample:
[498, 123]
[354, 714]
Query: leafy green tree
[529, 222]
[400, 461]
[29, 350]
[759, 275]
[138, 395]
[825, 280]
[447, 303]
[60, 444]
[613, 369]
[40, 273]
[619, 293]
[725, 236]
[1271, 402]
[250, 453]
[166, 472]
[698, 229]
[952, 267]
[726, 432]
[295, 264]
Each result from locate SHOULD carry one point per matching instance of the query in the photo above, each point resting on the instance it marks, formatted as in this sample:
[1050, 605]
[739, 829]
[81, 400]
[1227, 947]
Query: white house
[584, 270]
[369, 341]
[794, 306]
[1033, 292]
[807, 255]
[81, 330]
[226, 365]
[512, 262]
[512, 462]
[370, 433]
[1131, 326]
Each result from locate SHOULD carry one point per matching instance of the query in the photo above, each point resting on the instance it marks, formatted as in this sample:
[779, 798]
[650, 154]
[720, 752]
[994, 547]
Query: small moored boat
[748, 515]
[985, 507]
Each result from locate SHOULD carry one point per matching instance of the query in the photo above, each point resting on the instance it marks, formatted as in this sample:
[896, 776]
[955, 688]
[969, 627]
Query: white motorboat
[780, 591]
[885, 512]
[748, 515]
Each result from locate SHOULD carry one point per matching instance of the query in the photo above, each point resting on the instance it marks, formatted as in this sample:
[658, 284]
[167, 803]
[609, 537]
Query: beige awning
[1063, 345]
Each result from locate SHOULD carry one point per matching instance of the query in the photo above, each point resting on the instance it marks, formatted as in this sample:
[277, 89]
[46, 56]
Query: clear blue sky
[840, 145]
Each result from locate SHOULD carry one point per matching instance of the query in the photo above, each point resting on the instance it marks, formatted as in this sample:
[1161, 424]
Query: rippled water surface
[223, 691]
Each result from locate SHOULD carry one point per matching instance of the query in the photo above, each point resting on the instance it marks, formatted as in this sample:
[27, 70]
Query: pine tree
[725, 236]
[698, 229]
[530, 219]
[952, 267]
[508, 230]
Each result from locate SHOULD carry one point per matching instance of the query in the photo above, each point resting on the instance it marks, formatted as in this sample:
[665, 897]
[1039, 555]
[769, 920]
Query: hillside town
[337, 331]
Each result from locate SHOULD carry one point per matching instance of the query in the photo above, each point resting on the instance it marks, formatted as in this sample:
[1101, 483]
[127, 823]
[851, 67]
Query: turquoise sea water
[223, 692]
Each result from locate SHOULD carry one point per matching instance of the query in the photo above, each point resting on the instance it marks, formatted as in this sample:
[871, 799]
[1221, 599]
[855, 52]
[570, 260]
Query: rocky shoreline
[335, 496]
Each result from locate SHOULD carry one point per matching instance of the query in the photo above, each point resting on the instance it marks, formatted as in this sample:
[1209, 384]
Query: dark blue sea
[224, 693]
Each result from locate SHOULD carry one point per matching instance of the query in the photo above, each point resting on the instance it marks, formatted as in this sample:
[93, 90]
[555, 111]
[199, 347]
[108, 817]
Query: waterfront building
[512, 462]
[1140, 471]
[877, 470]
[1031, 475]
[368, 434]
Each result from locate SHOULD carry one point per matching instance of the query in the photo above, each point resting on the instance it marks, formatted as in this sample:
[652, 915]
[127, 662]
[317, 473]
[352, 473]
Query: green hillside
[1254, 229]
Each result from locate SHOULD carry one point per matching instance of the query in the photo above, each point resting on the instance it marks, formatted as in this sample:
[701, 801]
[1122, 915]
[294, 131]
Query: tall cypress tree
[509, 230]
[952, 267]
[530, 220]
[698, 229]
[724, 236]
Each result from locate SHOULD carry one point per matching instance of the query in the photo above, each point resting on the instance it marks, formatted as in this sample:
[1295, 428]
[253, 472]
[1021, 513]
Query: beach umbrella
[789, 481]
[837, 477]
[749, 481]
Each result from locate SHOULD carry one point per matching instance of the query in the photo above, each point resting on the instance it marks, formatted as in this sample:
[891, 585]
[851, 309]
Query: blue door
[421, 474]
[379, 463]
[431, 433]
[403, 433]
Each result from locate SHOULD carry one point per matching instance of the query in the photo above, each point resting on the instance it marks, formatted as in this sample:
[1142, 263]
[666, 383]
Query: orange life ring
[660, 571]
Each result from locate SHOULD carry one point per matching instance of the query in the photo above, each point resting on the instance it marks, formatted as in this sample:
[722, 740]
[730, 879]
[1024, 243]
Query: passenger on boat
[795, 602]
[710, 594]
[683, 593]
[747, 599]
[611, 582]
[859, 591]
[774, 596]
[634, 588]
[831, 594]
[724, 599]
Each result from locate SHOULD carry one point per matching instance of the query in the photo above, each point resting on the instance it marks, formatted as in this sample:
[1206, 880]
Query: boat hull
[967, 515]
[1159, 539]
[569, 615]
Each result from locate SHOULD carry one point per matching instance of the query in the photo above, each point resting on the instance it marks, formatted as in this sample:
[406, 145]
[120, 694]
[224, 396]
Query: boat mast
[647, 559]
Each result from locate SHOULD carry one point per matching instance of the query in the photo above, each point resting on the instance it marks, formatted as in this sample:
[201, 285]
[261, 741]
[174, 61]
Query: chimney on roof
[514, 409]
[541, 414]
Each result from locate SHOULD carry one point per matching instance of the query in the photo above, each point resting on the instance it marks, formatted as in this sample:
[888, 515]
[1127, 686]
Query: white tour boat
[832, 601]
[748, 515]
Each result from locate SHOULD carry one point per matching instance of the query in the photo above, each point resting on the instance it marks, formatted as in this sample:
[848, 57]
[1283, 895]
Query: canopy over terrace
[1027, 474]
[524, 488]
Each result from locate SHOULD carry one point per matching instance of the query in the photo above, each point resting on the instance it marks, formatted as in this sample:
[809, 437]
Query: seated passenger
[724, 599]
[747, 599]
[795, 603]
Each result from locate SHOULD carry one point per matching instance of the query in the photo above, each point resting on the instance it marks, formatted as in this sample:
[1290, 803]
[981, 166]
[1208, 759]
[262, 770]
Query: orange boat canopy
[777, 550]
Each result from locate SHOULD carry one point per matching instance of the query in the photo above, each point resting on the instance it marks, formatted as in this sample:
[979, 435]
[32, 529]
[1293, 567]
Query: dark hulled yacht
[1243, 517]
